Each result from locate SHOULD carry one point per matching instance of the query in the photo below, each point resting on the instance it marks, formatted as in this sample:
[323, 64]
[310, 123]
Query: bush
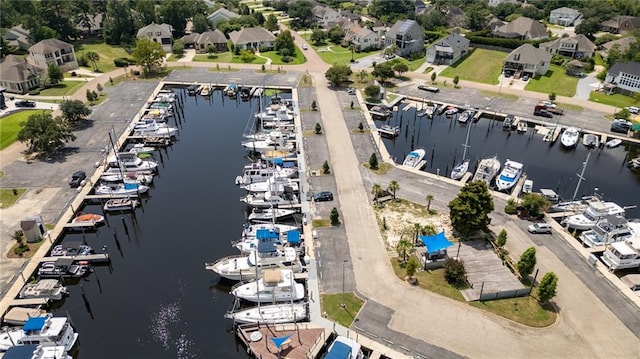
[454, 271]
[34, 92]
[83, 61]
[287, 59]
[74, 74]
[122, 62]
[511, 207]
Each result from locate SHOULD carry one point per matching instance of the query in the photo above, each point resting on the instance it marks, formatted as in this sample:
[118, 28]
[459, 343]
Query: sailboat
[274, 286]
[461, 169]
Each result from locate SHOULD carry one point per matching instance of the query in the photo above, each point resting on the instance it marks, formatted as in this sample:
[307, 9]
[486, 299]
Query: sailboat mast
[581, 176]
[466, 143]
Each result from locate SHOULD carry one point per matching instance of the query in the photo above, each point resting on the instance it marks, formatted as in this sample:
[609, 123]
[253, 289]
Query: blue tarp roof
[279, 341]
[35, 323]
[266, 234]
[293, 236]
[436, 242]
[339, 350]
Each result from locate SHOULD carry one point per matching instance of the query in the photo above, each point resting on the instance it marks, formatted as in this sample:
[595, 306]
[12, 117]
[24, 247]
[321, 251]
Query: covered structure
[436, 250]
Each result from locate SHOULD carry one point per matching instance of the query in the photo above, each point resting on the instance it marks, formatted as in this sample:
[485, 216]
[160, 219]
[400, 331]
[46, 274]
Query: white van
[539, 228]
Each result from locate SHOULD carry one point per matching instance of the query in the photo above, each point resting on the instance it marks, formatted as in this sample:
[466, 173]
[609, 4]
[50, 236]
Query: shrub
[511, 207]
[122, 62]
[34, 92]
[287, 59]
[74, 74]
[454, 271]
[325, 168]
[334, 216]
[83, 61]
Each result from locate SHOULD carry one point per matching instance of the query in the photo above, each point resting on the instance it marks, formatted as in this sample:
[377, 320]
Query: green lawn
[63, 88]
[336, 54]
[616, 99]
[8, 198]
[107, 54]
[481, 66]
[277, 59]
[10, 125]
[226, 57]
[332, 305]
[555, 80]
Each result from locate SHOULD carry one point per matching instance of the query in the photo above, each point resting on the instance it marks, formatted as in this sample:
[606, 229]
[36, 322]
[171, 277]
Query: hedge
[123, 62]
[482, 38]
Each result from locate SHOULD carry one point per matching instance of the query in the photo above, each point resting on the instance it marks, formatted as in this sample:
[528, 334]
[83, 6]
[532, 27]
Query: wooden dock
[82, 225]
[30, 301]
[305, 341]
[91, 258]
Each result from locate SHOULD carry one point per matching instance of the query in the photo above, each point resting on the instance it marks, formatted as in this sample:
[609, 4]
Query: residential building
[219, 15]
[494, 3]
[407, 35]
[363, 38]
[419, 6]
[449, 50]
[620, 44]
[494, 22]
[455, 16]
[624, 77]
[19, 37]
[527, 60]
[160, 33]
[189, 40]
[53, 51]
[621, 24]
[89, 26]
[577, 46]
[564, 16]
[522, 28]
[324, 16]
[255, 38]
[355, 18]
[345, 24]
[19, 76]
[214, 38]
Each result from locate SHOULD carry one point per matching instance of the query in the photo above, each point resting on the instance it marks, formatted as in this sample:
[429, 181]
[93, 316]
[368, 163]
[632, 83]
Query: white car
[304, 46]
[548, 104]
[539, 228]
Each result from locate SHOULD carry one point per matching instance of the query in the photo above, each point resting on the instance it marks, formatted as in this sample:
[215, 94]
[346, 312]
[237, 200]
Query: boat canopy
[266, 234]
[293, 236]
[34, 324]
[436, 242]
[339, 350]
[281, 341]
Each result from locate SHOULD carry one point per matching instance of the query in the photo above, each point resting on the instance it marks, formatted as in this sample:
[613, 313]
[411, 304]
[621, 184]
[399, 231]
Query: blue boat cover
[293, 236]
[288, 164]
[339, 350]
[20, 352]
[130, 185]
[281, 340]
[436, 242]
[277, 160]
[34, 324]
[266, 234]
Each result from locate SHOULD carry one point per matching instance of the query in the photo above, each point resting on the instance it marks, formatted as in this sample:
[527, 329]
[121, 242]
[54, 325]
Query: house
[419, 6]
[620, 44]
[19, 76]
[220, 15]
[494, 22]
[160, 33]
[449, 50]
[89, 26]
[355, 18]
[255, 38]
[345, 24]
[19, 37]
[564, 16]
[522, 28]
[527, 60]
[363, 38]
[53, 51]
[189, 40]
[621, 24]
[455, 16]
[494, 3]
[577, 46]
[624, 77]
[211, 38]
[407, 35]
[324, 16]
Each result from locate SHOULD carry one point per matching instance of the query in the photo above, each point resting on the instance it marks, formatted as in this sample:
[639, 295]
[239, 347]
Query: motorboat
[88, 218]
[262, 135]
[131, 177]
[634, 163]
[522, 126]
[590, 140]
[570, 137]
[509, 176]
[261, 172]
[273, 184]
[344, 348]
[205, 90]
[231, 90]
[465, 116]
[415, 158]
[507, 123]
[450, 111]
[71, 249]
[272, 314]
[595, 210]
[153, 128]
[607, 230]
[389, 131]
[19, 315]
[250, 266]
[63, 268]
[270, 213]
[623, 254]
[487, 170]
[140, 149]
[270, 199]
[251, 230]
[129, 162]
[527, 187]
[32, 351]
[460, 170]
[275, 141]
[290, 238]
[121, 189]
[614, 142]
[571, 206]
[275, 286]
[44, 288]
[120, 204]
[44, 331]
[193, 89]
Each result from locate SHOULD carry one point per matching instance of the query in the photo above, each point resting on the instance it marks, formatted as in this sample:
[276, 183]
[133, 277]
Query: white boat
[140, 149]
[63, 268]
[414, 158]
[275, 286]
[261, 172]
[614, 142]
[131, 177]
[269, 199]
[596, 210]
[450, 111]
[624, 254]
[32, 351]
[71, 249]
[121, 189]
[272, 314]
[509, 175]
[462, 168]
[153, 129]
[590, 140]
[607, 230]
[129, 162]
[44, 288]
[634, 163]
[44, 331]
[344, 348]
[250, 266]
[19, 315]
[522, 126]
[570, 137]
[389, 131]
[273, 184]
[527, 187]
[251, 230]
[275, 141]
[487, 169]
[465, 116]
[120, 204]
[290, 238]
[270, 213]
[205, 90]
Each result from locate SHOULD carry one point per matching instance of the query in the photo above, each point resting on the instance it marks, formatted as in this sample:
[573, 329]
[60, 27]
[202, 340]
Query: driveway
[585, 86]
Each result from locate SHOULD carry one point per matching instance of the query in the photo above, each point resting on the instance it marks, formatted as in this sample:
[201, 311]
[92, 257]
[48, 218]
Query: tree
[284, 43]
[301, 11]
[400, 68]
[94, 57]
[54, 74]
[456, 79]
[336, 34]
[469, 211]
[337, 74]
[588, 27]
[176, 13]
[390, 9]
[535, 204]
[411, 268]
[210, 50]
[89, 95]
[118, 26]
[178, 48]
[314, 107]
[547, 287]
[454, 271]
[44, 134]
[352, 48]
[433, 76]
[429, 198]
[74, 110]
[148, 54]
[372, 91]
[394, 186]
[502, 238]
[318, 36]
[334, 216]
[476, 18]
[391, 49]
[247, 56]
[99, 87]
[373, 161]
[360, 127]
[376, 191]
[200, 24]
[271, 23]
[404, 248]
[318, 129]
[325, 168]
[383, 71]
[527, 262]
[362, 75]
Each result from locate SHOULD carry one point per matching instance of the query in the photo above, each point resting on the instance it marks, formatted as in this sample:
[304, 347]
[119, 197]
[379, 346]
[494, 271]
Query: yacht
[44, 288]
[415, 158]
[595, 210]
[607, 230]
[44, 331]
[624, 254]
[570, 137]
[121, 189]
[249, 266]
[131, 177]
[270, 213]
[275, 141]
[279, 238]
[273, 184]
[275, 286]
[261, 172]
[32, 351]
[251, 230]
[270, 199]
[487, 169]
[344, 348]
[63, 268]
[129, 162]
[509, 176]
[153, 128]
[272, 314]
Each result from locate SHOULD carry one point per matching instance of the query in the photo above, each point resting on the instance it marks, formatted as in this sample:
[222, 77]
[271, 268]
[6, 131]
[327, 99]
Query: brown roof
[622, 44]
[48, 46]
[583, 43]
[16, 69]
[528, 55]
[215, 37]
[520, 27]
[251, 34]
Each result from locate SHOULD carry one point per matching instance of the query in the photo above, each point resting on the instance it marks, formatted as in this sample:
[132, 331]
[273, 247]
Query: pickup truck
[553, 109]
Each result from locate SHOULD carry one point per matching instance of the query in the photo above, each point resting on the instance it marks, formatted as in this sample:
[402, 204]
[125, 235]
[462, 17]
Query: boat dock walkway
[91, 258]
[305, 340]
[28, 302]
[82, 225]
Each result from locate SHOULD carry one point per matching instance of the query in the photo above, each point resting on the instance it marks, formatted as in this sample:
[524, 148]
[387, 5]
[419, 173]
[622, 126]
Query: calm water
[549, 166]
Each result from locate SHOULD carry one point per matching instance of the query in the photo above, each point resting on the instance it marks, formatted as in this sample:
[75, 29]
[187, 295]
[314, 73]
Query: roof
[190, 38]
[251, 34]
[436, 242]
[567, 10]
[522, 26]
[631, 67]
[223, 13]
[619, 19]
[623, 43]
[215, 37]
[165, 29]
[49, 46]
[16, 69]
[528, 55]
[583, 43]
[454, 41]
[576, 63]
[321, 11]
[402, 27]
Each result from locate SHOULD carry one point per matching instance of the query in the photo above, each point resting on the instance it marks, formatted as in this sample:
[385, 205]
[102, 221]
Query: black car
[77, 178]
[429, 88]
[323, 196]
[25, 103]
[620, 128]
[543, 113]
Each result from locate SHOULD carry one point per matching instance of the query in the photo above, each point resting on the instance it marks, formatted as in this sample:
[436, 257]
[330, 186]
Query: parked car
[323, 196]
[634, 110]
[543, 113]
[25, 103]
[428, 88]
[620, 126]
[305, 47]
[546, 103]
[508, 74]
[351, 91]
[525, 78]
[539, 228]
[77, 178]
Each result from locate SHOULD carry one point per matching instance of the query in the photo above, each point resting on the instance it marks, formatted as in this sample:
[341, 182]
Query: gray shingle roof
[48, 46]
[528, 55]
[251, 34]
[454, 41]
[223, 13]
[583, 43]
[566, 10]
[16, 69]
[165, 29]
[520, 27]
[631, 67]
[215, 37]
[623, 44]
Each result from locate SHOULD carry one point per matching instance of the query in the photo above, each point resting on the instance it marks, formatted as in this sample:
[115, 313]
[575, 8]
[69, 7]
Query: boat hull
[274, 314]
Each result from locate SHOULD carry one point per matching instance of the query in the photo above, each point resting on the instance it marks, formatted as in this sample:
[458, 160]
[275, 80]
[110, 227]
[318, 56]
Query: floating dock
[30, 301]
[389, 132]
[306, 340]
[91, 258]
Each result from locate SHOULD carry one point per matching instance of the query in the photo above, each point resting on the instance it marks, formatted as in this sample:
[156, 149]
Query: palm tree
[393, 187]
[376, 190]
[429, 198]
[404, 249]
[417, 230]
[94, 57]
[352, 47]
